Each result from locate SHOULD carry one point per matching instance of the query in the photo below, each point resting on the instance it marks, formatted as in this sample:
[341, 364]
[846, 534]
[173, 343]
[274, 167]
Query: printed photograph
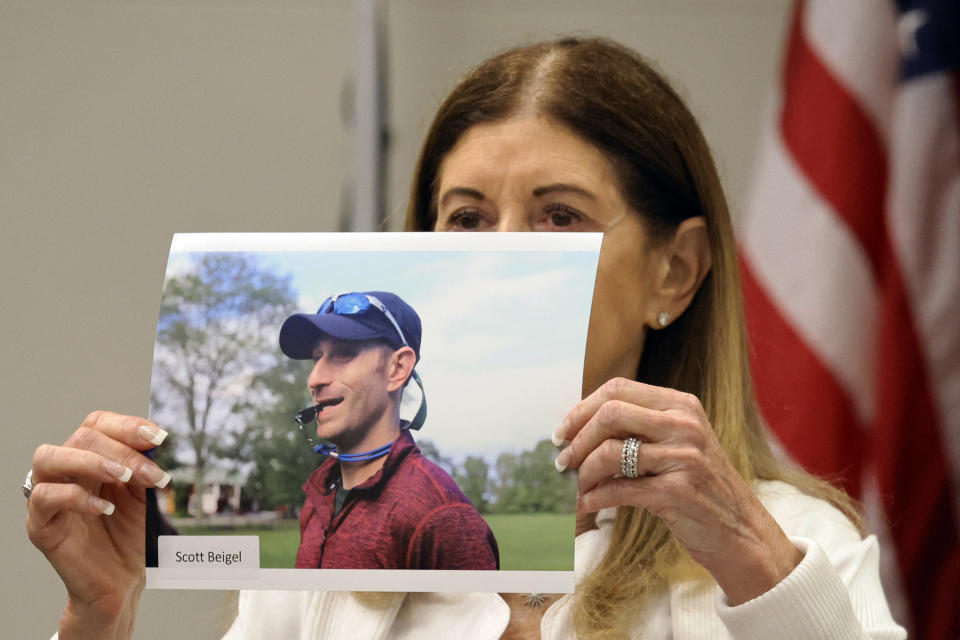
[371, 407]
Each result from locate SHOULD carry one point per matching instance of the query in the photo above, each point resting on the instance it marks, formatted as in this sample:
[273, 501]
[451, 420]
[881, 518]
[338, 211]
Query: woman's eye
[562, 217]
[467, 219]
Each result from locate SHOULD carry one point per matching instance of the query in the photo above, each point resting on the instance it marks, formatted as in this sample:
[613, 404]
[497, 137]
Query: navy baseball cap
[359, 315]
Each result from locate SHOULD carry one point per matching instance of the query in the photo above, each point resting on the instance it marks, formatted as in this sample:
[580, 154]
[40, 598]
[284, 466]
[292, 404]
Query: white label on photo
[208, 557]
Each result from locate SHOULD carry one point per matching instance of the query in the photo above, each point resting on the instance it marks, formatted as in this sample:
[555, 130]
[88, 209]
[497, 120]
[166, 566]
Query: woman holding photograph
[688, 526]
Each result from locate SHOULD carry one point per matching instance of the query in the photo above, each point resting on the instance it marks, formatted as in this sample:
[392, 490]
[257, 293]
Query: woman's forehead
[530, 148]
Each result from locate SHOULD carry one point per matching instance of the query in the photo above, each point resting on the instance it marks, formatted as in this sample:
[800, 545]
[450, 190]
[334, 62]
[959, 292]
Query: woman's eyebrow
[560, 187]
[461, 191]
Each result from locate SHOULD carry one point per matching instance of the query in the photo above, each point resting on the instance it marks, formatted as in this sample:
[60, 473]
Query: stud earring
[663, 318]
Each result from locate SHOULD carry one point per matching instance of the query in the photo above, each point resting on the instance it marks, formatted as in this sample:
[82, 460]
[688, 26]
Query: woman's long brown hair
[611, 97]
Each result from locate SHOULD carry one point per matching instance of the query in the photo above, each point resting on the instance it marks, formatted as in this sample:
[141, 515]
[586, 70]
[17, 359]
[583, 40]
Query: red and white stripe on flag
[850, 253]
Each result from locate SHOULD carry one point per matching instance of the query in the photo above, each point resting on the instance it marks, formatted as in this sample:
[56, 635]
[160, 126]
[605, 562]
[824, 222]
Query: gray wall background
[124, 122]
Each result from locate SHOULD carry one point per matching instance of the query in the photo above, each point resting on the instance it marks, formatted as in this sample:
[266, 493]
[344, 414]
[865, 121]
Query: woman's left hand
[685, 478]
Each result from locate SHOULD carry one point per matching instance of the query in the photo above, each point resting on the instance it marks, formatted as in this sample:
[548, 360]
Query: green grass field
[528, 541]
[534, 541]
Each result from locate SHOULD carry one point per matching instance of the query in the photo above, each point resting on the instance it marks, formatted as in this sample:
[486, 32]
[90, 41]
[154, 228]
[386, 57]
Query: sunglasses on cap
[351, 304]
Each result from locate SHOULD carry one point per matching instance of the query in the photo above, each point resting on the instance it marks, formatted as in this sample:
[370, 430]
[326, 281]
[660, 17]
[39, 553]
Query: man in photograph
[375, 502]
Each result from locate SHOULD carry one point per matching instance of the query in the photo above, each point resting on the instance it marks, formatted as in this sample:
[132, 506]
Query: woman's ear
[684, 263]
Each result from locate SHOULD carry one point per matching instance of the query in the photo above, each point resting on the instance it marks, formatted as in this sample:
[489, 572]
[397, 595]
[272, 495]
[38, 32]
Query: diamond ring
[629, 467]
[28, 484]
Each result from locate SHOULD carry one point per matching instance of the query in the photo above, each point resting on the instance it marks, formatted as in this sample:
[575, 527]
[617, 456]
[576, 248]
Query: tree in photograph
[216, 335]
[472, 479]
[282, 454]
[505, 488]
[545, 489]
[529, 483]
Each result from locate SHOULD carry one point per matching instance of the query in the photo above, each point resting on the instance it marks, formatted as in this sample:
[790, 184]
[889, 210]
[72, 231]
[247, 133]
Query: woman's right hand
[87, 515]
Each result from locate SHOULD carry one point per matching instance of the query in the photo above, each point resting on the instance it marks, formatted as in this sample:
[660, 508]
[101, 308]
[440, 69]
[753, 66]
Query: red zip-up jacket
[408, 515]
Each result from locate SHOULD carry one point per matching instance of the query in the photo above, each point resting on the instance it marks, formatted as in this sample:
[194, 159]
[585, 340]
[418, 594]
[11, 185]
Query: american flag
[850, 251]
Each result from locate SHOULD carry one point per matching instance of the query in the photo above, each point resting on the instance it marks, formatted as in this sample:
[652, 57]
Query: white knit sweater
[834, 593]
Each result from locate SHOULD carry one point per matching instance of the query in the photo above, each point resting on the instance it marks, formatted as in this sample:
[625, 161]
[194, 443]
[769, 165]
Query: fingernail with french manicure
[556, 438]
[103, 506]
[562, 460]
[117, 470]
[154, 475]
[153, 435]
